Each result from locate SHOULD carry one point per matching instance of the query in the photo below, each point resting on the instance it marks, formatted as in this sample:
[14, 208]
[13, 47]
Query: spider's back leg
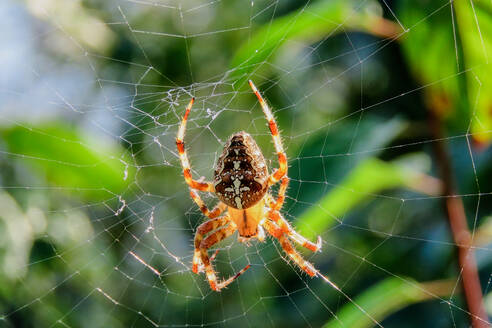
[282, 223]
[201, 231]
[208, 242]
[278, 233]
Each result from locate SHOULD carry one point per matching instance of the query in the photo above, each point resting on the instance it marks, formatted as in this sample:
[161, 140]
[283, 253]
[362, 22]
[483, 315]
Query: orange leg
[202, 186]
[292, 234]
[215, 212]
[279, 202]
[278, 233]
[208, 242]
[201, 231]
[282, 157]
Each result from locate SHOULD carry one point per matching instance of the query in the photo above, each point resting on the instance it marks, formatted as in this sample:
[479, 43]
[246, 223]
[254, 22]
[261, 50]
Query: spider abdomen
[241, 173]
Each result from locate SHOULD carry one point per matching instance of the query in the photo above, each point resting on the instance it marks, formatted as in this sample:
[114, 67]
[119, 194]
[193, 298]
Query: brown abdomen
[241, 173]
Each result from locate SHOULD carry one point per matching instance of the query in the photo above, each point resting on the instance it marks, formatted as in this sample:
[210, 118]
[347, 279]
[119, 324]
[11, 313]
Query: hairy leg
[277, 204]
[279, 234]
[215, 212]
[208, 242]
[282, 157]
[282, 223]
[201, 231]
[199, 185]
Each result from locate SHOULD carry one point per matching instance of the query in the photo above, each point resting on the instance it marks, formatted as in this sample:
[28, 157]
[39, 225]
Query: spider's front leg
[276, 204]
[199, 185]
[208, 242]
[185, 163]
[282, 157]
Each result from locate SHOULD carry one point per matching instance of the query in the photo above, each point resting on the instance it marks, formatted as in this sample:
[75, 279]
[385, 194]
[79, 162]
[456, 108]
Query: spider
[241, 182]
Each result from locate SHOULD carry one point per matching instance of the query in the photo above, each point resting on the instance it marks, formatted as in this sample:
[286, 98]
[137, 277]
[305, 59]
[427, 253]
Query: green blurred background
[91, 95]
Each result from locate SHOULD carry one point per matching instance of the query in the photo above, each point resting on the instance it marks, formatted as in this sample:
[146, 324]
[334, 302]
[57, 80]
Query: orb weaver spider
[241, 182]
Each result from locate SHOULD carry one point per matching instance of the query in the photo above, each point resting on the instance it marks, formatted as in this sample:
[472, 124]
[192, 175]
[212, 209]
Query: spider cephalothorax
[241, 182]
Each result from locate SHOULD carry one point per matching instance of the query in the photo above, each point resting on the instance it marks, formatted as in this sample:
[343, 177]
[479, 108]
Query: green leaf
[385, 298]
[433, 63]
[92, 170]
[452, 61]
[310, 24]
[475, 28]
[368, 178]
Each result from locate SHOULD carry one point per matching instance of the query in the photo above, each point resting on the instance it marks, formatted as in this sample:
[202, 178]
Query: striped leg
[202, 186]
[201, 231]
[278, 233]
[282, 157]
[279, 202]
[215, 212]
[208, 242]
[292, 234]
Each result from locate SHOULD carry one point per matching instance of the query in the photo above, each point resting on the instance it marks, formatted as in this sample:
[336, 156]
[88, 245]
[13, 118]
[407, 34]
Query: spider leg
[215, 212]
[283, 224]
[276, 204]
[208, 242]
[201, 231]
[282, 157]
[278, 233]
[261, 233]
[202, 186]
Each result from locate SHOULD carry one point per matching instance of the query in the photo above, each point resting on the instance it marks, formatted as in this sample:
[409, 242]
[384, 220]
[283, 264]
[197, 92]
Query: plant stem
[457, 220]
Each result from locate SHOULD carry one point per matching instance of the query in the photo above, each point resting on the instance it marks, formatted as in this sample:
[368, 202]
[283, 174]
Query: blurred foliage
[310, 24]
[454, 67]
[75, 204]
[38, 236]
[369, 178]
[385, 298]
[78, 21]
[60, 154]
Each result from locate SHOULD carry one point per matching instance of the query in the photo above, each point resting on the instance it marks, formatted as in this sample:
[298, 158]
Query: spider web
[95, 252]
